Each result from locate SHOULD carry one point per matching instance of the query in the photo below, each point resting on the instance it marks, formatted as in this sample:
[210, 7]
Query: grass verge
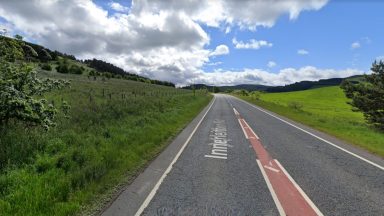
[116, 127]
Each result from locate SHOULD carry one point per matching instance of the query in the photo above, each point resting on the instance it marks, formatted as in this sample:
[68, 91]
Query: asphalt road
[237, 159]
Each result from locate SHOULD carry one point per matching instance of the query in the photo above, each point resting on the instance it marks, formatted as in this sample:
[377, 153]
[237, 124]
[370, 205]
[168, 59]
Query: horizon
[219, 43]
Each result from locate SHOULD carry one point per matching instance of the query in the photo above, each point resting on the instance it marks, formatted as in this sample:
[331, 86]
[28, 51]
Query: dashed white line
[245, 133]
[169, 168]
[235, 111]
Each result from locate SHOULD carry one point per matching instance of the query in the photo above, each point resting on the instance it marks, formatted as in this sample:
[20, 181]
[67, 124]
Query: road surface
[238, 159]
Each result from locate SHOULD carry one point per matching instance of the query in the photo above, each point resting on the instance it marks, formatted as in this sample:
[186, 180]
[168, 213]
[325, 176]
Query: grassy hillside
[115, 128]
[324, 109]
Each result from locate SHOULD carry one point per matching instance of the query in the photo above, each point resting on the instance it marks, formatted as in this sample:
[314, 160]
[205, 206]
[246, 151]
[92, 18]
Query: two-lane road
[242, 160]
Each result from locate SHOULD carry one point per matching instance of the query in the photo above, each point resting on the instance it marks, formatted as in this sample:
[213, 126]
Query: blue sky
[326, 34]
[176, 41]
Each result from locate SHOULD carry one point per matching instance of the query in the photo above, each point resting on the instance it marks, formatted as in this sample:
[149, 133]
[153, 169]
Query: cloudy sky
[220, 42]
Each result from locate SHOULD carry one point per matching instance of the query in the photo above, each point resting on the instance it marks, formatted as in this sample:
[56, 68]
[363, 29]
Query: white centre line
[169, 168]
[235, 111]
[307, 132]
[245, 133]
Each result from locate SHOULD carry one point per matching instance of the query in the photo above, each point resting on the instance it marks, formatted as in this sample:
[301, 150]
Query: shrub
[46, 67]
[295, 105]
[75, 69]
[62, 68]
[19, 85]
[256, 95]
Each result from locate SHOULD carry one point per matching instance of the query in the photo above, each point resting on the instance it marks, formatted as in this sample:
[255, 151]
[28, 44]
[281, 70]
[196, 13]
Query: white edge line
[251, 130]
[309, 201]
[169, 168]
[269, 185]
[245, 133]
[324, 140]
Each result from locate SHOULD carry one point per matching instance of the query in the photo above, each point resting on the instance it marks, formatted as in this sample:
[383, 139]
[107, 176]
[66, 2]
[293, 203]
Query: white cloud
[160, 44]
[220, 50]
[271, 64]
[283, 77]
[380, 58]
[252, 44]
[118, 7]
[155, 38]
[302, 52]
[248, 14]
[227, 29]
[214, 63]
[355, 45]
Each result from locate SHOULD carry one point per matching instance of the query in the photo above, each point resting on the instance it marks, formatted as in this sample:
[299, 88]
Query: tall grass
[325, 109]
[116, 127]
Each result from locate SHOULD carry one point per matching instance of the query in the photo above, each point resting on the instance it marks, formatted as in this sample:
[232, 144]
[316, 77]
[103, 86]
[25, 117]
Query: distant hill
[304, 85]
[248, 87]
[298, 86]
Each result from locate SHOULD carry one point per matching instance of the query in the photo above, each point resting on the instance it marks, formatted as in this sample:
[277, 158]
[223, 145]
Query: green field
[326, 110]
[115, 128]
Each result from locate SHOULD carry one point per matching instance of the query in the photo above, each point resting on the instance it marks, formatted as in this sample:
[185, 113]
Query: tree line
[105, 67]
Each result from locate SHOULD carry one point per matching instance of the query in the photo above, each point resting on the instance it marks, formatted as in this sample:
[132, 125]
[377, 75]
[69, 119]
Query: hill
[304, 85]
[39, 54]
[325, 109]
[298, 86]
[114, 127]
[248, 87]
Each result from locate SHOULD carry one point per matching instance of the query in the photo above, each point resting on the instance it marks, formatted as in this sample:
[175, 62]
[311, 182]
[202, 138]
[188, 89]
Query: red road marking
[293, 201]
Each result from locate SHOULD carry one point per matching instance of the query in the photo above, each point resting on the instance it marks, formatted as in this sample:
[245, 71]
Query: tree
[45, 55]
[11, 50]
[29, 52]
[368, 96]
[215, 89]
[19, 37]
[20, 96]
[244, 92]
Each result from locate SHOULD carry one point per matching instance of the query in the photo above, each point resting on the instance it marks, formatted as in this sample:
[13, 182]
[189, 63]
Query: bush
[75, 69]
[256, 95]
[295, 105]
[19, 87]
[11, 50]
[46, 67]
[62, 68]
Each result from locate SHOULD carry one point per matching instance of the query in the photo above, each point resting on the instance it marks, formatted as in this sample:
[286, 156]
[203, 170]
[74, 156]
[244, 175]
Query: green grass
[325, 109]
[107, 140]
